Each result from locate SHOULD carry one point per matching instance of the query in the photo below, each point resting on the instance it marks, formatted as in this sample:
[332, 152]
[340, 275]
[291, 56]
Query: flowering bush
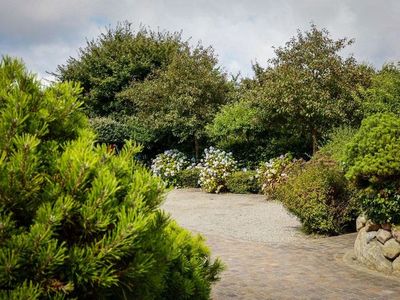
[215, 167]
[167, 165]
[276, 171]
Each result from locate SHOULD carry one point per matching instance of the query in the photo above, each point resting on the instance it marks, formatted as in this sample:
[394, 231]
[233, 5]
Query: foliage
[79, 221]
[276, 171]
[188, 178]
[108, 64]
[307, 90]
[336, 142]
[167, 165]
[319, 195]
[215, 167]
[181, 98]
[383, 96]
[190, 269]
[235, 129]
[242, 182]
[171, 89]
[373, 163]
[113, 131]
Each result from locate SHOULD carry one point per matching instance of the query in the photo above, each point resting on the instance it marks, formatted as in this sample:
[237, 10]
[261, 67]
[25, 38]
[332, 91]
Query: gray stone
[391, 249]
[396, 233]
[360, 222]
[383, 235]
[371, 226]
[369, 252]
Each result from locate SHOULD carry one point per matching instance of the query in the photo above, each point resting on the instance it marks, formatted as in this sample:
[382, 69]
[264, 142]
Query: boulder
[369, 252]
[396, 233]
[387, 226]
[396, 266]
[371, 226]
[391, 249]
[383, 235]
[360, 222]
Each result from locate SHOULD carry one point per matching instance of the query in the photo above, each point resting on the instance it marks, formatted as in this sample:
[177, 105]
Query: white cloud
[45, 32]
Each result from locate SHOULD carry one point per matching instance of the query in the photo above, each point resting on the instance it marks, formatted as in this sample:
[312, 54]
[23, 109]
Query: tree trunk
[196, 148]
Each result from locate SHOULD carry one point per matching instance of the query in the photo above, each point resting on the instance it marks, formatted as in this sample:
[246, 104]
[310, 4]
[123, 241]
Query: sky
[44, 33]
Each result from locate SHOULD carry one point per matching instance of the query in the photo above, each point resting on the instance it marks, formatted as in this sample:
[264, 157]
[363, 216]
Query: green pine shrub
[78, 221]
[188, 178]
[243, 182]
[320, 196]
[372, 162]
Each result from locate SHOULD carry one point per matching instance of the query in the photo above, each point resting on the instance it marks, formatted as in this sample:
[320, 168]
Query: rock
[391, 249]
[371, 226]
[387, 226]
[396, 266]
[360, 222]
[383, 235]
[369, 252]
[396, 233]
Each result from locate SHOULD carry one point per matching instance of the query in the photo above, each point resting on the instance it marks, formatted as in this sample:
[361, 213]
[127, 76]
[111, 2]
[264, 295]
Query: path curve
[267, 257]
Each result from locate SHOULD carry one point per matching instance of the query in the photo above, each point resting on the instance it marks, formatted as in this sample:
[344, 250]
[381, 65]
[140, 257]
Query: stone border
[349, 259]
[378, 246]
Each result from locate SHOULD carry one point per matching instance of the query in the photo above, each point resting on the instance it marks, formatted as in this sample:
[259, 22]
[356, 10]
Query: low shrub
[372, 162]
[243, 182]
[188, 178]
[276, 171]
[215, 167]
[168, 165]
[320, 196]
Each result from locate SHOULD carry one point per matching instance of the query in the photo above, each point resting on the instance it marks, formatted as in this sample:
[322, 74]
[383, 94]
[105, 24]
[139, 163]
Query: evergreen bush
[372, 161]
[77, 220]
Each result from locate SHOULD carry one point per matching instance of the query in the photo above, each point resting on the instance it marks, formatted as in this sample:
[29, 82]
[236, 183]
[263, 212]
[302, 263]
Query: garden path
[267, 256]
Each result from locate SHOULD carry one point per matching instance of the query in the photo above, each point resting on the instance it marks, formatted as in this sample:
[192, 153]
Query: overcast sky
[45, 32]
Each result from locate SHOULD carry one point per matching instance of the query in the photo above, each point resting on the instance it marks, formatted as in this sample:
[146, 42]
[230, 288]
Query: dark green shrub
[112, 131]
[372, 161]
[319, 195]
[188, 178]
[76, 220]
[243, 182]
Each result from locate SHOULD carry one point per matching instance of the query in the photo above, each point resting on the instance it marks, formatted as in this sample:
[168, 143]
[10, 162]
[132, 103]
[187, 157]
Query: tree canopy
[306, 90]
[153, 79]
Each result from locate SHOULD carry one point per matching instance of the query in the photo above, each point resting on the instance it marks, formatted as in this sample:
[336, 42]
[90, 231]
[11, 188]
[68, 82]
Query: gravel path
[246, 217]
[266, 255]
